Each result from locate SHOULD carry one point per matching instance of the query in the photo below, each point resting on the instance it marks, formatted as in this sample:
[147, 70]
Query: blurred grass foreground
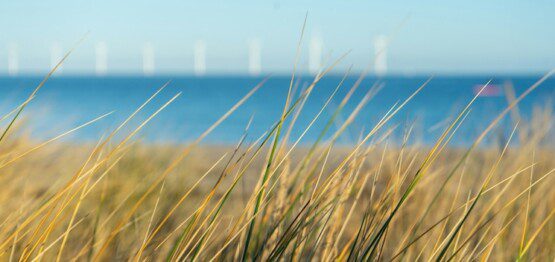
[268, 198]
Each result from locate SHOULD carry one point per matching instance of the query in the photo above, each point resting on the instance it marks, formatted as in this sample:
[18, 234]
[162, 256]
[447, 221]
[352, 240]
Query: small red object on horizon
[489, 90]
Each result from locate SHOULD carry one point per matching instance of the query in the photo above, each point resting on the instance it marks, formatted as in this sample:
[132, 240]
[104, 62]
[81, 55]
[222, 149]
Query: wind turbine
[13, 60]
[255, 65]
[148, 59]
[380, 52]
[315, 55]
[101, 59]
[200, 58]
[55, 57]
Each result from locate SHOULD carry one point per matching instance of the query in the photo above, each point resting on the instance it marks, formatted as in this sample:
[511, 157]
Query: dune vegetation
[269, 198]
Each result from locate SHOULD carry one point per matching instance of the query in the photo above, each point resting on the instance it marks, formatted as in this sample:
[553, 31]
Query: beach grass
[274, 198]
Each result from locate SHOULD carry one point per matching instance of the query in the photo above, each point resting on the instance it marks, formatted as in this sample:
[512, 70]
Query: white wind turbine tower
[380, 52]
[55, 56]
[200, 58]
[315, 55]
[148, 59]
[101, 59]
[13, 60]
[255, 65]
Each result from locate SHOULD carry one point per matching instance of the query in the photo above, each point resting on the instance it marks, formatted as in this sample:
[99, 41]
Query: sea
[65, 102]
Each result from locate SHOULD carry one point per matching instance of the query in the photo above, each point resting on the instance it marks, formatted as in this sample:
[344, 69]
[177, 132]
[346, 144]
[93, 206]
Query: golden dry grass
[275, 200]
[357, 197]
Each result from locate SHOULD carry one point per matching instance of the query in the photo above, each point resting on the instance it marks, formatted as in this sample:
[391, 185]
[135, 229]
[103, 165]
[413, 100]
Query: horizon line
[280, 75]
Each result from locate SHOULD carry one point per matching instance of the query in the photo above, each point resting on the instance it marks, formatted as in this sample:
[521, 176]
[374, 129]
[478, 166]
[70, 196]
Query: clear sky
[449, 37]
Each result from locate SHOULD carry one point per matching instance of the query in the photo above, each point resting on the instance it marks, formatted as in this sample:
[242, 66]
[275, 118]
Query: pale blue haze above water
[428, 36]
[65, 102]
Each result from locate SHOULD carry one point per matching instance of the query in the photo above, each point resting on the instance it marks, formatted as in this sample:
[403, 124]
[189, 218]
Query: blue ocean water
[66, 102]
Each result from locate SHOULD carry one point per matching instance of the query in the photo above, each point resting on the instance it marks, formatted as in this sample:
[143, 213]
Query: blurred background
[252, 37]
[215, 51]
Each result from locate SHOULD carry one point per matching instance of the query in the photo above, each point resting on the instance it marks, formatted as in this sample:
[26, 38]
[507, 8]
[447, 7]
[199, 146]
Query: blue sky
[459, 37]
